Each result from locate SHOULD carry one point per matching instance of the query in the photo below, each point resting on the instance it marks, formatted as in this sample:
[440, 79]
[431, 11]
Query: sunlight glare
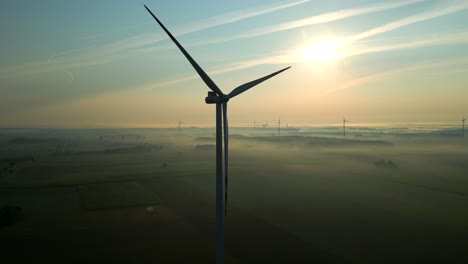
[322, 52]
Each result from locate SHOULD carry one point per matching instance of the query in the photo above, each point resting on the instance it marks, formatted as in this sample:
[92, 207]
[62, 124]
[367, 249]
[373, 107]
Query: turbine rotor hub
[213, 98]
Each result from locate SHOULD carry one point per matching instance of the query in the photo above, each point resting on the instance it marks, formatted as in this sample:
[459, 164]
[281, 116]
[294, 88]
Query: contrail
[387, 74]
[445, 39]
[409, 20]
[243, 14]
[68, 52]
[111, 49]
[296, 57]
[226, 18]
[314, 20]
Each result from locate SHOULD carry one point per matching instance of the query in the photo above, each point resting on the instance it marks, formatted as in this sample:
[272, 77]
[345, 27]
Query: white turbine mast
[216, 96]
[463, 126]
[279, 126]
[344, 125]
[180, 127]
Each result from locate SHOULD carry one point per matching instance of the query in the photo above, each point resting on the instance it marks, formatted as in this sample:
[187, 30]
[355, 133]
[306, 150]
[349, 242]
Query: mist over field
[382, 194]
[108, 151]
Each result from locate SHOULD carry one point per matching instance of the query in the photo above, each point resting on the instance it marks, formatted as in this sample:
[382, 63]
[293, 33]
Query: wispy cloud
[437, 12]
[146, 39]
[295, 56]
[445, 8]
[232, 17]
[69, 52]
[314, 20]
[387, 74]
[41, 67]
[433, 40]
[274, 59]
[94, 55]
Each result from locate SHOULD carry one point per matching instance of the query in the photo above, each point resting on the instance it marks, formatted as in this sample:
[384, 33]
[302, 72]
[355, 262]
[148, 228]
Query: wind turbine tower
[279, 126]
[217, 97]
[180, 127]
[344, 126]
[463, 126]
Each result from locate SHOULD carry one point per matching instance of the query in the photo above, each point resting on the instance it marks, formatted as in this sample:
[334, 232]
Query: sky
[108, 64]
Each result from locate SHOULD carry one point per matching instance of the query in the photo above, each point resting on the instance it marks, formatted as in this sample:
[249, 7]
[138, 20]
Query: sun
[322, 52]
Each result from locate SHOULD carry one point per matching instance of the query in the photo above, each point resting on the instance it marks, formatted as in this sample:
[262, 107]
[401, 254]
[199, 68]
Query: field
[377, 195]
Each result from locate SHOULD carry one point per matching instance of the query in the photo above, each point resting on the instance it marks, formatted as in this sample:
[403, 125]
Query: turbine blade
[226, 160]
[199, 70]
[244, 87]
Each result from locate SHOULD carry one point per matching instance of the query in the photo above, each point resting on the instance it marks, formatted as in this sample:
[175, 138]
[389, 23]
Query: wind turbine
[344, 126]
[279, 126]
[216, 96]
[463, 126]
[180, 128]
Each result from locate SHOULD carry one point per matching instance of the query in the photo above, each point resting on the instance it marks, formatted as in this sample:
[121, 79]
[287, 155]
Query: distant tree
[385, 164]
[390, 164]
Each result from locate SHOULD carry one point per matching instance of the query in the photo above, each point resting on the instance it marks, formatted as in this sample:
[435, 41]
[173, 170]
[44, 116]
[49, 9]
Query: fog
[382, 194]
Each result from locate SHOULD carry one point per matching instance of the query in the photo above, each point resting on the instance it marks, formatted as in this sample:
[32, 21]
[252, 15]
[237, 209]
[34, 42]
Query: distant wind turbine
[463, 126]
[180, 128]
[344, 126]
[279, 126]
[216, 96]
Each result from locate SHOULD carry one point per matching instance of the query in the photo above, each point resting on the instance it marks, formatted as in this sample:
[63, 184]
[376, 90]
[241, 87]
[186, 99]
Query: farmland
[141, 195]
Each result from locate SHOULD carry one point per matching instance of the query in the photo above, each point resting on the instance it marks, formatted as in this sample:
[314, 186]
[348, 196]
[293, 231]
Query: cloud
[147, 39]
[387, 74]
[437, 12]
[65, 61]
[278, 59]
[116, 50]
[41, 67]
[240, 15]
[69, 52]
[438, 39]
[295, 56]
[314, 20]
[140, 41]
[328, 17]
[282, 58]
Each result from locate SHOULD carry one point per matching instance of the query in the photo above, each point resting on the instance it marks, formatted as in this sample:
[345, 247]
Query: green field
[294, 198]
[115, 195]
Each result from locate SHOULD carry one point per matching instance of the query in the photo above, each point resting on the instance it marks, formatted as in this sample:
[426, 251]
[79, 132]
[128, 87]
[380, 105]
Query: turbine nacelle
[213, 98]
